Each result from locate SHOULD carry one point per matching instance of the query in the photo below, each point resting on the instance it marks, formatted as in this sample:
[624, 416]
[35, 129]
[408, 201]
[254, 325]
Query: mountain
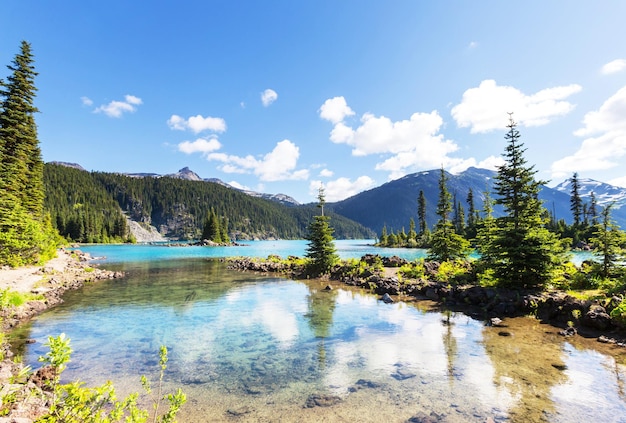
[605, 194]
[67, 164]
[394, 203]
[91, 207]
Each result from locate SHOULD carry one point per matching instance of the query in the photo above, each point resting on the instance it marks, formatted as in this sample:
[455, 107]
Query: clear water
[251, 347]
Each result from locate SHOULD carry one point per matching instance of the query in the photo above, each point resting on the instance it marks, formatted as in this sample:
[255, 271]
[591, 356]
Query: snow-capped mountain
[605, 194]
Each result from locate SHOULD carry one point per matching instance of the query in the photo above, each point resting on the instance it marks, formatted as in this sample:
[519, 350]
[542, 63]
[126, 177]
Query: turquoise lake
[249, 347]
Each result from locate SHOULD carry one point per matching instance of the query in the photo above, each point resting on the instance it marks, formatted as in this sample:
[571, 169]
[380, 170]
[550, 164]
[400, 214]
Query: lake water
[249, 347]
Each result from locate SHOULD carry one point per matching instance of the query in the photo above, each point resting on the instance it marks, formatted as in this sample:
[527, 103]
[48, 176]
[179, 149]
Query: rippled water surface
[249, 347]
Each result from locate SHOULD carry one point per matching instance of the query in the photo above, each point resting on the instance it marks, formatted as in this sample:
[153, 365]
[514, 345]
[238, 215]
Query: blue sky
[282, 96]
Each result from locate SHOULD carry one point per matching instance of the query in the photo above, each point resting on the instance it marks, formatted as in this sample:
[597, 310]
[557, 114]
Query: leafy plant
[618, 314]
[75, 403]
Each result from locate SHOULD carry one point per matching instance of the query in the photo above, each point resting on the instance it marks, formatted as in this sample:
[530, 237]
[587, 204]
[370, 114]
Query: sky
[288, 96]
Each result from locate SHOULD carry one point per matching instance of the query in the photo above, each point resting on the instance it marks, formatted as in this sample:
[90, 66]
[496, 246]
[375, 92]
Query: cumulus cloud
[341, 188]
[278, 165]
[201, 145]
[268, 97]
[335, 110]
[197, 124]
[117, 108]
[614, 67]
[408, 145]
[605, 142]
[86, 101]
[484, 108]
[326, 173]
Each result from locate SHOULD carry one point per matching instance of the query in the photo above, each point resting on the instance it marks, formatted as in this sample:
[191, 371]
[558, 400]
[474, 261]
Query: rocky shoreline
[31, 392]
[590, 318]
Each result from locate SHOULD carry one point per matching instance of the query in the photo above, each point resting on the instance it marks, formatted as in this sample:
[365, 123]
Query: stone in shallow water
[322, 400]
[400, 375]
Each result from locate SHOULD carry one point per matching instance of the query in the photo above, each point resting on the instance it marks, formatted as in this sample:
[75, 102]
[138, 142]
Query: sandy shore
[69, 270]
[24, 279]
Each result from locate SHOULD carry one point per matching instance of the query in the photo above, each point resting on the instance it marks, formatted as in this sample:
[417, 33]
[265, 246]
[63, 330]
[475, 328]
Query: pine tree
[608, 240]
[446, 244]
[27, 236]
[593, 208]
[22, 165]
[521, 252]
[576, 203]
[421, 213]
[472, 215]
[321, 248]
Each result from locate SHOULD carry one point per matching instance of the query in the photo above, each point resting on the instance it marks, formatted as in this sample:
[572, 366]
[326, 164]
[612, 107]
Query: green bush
[618, 314]
[413, 270]
[75, 403]
[455, 272]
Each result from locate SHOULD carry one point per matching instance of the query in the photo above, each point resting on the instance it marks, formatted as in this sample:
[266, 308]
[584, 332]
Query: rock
[426, 418]
[400, 375]
[328, 288]
[43, 377]
[387, 299]
[321, 400]
[569, 331]
[596, 317]
[504, 333]
[496, 322]
[559, 366]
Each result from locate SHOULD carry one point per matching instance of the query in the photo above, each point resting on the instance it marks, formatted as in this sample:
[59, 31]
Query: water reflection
[259, 345]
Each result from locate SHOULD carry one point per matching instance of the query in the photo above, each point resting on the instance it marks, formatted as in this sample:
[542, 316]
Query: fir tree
[576, 203]
[421, 213]
[521, 252]
[472, 215]
[446, 244]
[608, 241]
[321, 248]
[27, 236]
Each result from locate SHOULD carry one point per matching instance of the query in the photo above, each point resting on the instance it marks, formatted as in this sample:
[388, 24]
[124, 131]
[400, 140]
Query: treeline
[81, 209]
[90, 207]
[466, 223]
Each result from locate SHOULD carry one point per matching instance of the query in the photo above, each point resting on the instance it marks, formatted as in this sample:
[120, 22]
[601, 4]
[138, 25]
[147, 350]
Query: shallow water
[249, 347]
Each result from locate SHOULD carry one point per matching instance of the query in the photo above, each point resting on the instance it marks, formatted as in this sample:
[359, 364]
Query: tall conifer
[521, 252]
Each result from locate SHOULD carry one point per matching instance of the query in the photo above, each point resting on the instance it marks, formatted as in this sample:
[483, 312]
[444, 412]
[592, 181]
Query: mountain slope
[394, 203]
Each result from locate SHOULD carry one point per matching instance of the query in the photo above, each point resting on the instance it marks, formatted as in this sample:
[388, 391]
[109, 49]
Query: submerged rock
[322, 400]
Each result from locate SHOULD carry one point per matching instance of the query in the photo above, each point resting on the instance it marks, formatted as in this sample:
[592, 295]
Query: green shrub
[75, 403]
[618, 314]
[413, 270]
[455, 272]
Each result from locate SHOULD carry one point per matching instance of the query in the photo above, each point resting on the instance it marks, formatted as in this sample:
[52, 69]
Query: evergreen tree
[321, 248]
[212, 231]
[421, 213]
[472, 216]
[608, 241]
[593, 208]
[446, 244]
[22, 166]
[576, 203]
[26, 234]
[521, 252]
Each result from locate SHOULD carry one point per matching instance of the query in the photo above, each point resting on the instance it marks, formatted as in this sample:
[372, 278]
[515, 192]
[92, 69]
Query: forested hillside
[87, 207]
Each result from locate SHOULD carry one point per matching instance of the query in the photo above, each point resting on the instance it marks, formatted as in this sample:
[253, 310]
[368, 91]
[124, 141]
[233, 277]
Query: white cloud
[326, 173]
[605, 130]
[277, 165]
[117, 108]
[618, 182]
[614, 67]
[268, 97]
[201, 145]
[335, 110]
[197, 123]
[485, 107]
[86, 101]
[341, 188]
[413, 144]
